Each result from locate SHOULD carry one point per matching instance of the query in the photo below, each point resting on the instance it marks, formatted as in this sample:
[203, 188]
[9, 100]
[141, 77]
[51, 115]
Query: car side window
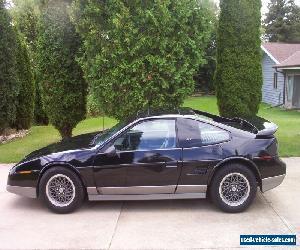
[148, 135]
[193, 133]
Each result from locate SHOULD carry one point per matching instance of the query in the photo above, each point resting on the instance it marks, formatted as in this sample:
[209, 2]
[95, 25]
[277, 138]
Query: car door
[202, 149]
[144, 159]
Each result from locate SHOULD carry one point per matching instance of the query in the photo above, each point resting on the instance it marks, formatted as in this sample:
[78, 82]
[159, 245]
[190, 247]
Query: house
[281, 74]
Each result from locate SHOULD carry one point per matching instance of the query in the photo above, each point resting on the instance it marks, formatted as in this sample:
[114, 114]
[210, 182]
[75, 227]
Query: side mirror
[111, 151]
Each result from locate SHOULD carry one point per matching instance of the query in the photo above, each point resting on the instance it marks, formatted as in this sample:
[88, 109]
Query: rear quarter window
[193, 133]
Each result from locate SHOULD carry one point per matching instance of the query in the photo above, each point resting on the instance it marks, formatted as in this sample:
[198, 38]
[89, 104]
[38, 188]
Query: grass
[288, 133]
[41, 136]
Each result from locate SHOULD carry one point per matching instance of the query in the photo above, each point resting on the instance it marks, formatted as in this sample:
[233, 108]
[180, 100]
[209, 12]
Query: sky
[265, 5]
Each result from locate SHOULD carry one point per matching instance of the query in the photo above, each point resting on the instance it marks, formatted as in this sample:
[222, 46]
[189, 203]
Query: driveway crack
[278, 215]
[116, 226]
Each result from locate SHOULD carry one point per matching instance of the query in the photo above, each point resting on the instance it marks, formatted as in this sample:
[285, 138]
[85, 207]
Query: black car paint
[138, 168]
[96, 166]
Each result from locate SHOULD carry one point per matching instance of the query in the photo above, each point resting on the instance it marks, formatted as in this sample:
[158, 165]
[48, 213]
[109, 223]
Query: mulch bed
[12, 134]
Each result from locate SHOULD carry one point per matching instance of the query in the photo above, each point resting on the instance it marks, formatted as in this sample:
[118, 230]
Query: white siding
[269, 94]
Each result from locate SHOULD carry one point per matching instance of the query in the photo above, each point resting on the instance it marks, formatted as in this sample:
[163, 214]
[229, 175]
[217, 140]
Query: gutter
[284, 82]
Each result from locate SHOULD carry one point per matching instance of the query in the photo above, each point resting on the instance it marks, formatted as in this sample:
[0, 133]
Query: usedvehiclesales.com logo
[252, 239]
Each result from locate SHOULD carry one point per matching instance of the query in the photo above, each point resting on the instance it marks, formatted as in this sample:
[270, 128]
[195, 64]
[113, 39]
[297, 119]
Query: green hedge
[62, 85]
[9, 84]
[238, 77]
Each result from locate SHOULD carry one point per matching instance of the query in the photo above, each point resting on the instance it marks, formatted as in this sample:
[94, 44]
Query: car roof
[227, 123]
[164, 112]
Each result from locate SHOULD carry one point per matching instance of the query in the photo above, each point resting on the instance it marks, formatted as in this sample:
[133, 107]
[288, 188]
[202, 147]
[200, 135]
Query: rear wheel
[61, 190]
[233, 188]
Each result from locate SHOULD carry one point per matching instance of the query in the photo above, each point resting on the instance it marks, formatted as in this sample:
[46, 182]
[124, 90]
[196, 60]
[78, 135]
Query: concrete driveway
[172, 224]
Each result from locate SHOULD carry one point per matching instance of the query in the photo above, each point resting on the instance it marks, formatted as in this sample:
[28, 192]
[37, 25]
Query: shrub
[25, 104]
[25, 14]
[9, 85]
[40, 116]
[62, 85]
[93, 108]
[141, 53]
[238, 77]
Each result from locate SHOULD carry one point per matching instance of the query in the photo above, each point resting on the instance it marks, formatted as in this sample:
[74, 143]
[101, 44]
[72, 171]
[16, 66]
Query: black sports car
[185, 154]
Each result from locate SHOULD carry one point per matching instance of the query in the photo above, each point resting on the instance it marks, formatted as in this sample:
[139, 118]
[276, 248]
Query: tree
[238, 77]
[40, 116]
[205, 74]
[25, 98]
[9, 85]
[62, 85]
[25, 17]
[25, 14]
[282, 22]
[293, 23]
[141, 53]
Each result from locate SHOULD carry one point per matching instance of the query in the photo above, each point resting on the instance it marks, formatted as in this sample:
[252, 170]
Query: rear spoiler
[258, 126]
[270, 129]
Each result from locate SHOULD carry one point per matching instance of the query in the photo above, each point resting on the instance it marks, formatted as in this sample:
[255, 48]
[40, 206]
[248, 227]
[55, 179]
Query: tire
[61, 190]
[228, 194]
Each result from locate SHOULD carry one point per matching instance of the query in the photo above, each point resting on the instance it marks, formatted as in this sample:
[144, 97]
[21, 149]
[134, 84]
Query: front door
[146, 160]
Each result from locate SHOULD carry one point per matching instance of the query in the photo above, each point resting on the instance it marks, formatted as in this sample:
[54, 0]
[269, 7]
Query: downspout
[284, 75]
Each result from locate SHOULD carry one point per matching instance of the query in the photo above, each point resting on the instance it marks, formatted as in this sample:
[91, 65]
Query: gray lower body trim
[182, 189]
[271, 182]
[147, 197]
[147, 192]
[91, 190]
[168, 189]
[29, 192]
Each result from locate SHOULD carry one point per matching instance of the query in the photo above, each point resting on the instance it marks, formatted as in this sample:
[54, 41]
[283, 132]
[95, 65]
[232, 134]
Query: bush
[93, 108]
[9, 85]
[141, 53]
[40, 116]
[62, 85]
[238, 77]
[25, 105]
[25, 14]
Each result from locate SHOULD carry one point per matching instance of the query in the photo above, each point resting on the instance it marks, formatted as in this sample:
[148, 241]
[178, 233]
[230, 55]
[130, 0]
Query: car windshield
[102, 137]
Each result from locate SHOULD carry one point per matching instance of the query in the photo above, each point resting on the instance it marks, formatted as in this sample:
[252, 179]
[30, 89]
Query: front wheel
[233, 188]
[61, 190]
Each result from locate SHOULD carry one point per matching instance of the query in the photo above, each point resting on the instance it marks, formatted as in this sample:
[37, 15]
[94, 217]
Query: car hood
[73, 143]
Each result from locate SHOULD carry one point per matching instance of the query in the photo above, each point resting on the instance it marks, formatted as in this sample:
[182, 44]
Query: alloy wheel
[60, 190]
[234, 189]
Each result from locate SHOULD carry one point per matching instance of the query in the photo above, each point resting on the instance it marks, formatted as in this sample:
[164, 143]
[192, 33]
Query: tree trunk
[65, 132]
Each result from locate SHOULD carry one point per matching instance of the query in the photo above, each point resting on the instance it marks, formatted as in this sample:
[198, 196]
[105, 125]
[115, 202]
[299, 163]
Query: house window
[275, 80]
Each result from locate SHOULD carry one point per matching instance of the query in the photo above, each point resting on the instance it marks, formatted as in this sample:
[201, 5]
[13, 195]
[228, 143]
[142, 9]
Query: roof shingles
[287, 55]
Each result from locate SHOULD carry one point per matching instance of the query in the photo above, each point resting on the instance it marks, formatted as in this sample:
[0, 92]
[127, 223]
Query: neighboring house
[281, 74]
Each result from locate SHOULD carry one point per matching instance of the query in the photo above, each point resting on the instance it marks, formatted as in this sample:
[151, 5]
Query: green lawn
[40, 136]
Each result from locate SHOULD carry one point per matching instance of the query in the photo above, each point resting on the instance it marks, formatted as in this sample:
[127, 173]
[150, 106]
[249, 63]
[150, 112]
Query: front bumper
[29, 192]
[271, 182]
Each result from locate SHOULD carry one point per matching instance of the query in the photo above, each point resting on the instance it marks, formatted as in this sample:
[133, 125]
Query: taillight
[265, 157]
